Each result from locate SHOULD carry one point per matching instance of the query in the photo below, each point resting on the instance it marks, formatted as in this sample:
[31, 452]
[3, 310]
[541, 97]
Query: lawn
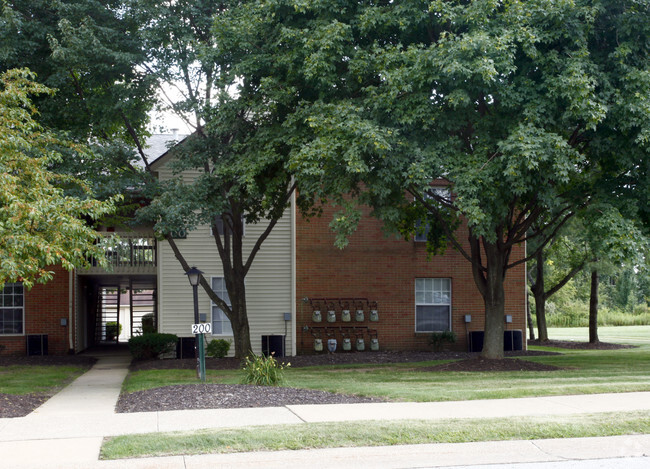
[28, 379]
[633, 335]
[350, 434]
[583, 372]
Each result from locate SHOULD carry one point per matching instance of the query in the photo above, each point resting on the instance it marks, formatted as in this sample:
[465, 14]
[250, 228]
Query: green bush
[112, 330]
[263, 371]
[218, 348]
[148, 326]
[438, 339]
[148, 346]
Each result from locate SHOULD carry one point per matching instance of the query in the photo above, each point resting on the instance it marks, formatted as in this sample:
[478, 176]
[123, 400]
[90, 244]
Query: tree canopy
[525, 109]
[39, 225]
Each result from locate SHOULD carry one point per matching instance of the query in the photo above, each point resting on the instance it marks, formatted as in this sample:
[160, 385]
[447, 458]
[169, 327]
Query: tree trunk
[494, 299]
[239, 315]
[529, 319]
[593, 308]
[540, 298]
[540, 313]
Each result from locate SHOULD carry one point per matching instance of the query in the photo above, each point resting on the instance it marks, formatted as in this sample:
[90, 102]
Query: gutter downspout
[293, 275]
[71, 349]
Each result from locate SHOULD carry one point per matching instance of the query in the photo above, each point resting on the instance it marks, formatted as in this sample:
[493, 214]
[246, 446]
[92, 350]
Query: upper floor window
[432, 304]
[12, 309]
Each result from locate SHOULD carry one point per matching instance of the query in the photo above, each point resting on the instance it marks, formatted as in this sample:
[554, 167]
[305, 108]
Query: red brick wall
[45, 306]
[384, 269]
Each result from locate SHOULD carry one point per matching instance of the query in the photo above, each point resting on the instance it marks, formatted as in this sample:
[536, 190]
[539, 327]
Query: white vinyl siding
[432, 304]
[268, 283]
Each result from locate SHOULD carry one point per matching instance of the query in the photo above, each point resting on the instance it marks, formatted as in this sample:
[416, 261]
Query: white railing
[126, 252]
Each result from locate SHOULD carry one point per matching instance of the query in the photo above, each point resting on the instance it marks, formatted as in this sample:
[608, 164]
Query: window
[11, 309]
[220, 322]
[220, 226]
[432, 304]
[420, 232]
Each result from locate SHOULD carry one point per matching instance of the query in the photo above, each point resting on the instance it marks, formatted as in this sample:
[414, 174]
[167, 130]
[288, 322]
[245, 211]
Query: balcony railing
[126, 253]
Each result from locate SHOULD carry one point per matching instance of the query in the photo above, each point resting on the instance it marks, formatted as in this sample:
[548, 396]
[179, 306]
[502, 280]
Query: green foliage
[575, 313]
[263, 371]
[149, 346]
[39, 225]
[113, 329]
[218, 348]
[438, 339]
[527, 109]
[148, 325]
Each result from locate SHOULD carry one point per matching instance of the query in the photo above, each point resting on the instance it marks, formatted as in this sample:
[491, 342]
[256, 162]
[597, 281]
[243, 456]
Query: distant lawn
[583, 372]
[351, 434]
[27, 379]
[633, 335]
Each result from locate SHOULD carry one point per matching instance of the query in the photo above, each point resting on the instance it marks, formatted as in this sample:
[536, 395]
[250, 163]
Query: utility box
[273, 344]
[512, 340]
[185, 347]
[36, 344]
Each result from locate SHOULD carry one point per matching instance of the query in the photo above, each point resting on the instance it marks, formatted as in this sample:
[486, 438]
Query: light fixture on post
[194, 276]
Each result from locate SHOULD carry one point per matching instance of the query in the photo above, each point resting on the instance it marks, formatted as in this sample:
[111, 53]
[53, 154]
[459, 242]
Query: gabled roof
[158, 145]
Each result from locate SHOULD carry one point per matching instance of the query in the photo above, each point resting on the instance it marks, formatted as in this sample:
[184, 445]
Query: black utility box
[37, 344]
[512, 340]
[185, 347]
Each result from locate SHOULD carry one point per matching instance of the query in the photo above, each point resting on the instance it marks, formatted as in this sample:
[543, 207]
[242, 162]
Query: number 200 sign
[203, 328]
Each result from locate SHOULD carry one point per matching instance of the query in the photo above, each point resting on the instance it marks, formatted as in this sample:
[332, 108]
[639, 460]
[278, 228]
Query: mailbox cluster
[343, 317]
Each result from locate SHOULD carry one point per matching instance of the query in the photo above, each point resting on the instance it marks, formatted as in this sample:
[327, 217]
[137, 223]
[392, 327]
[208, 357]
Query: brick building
[404, 294]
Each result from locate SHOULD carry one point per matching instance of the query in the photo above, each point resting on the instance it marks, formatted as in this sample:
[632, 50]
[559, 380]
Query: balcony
[126, 253]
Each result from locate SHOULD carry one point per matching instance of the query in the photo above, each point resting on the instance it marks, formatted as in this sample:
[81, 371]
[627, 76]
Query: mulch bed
[18, 406]
[579, 345]
[322, 360]
[483, 364]
[227, 396]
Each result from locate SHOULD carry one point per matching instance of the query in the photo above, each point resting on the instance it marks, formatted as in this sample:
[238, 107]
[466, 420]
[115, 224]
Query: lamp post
[194, 276]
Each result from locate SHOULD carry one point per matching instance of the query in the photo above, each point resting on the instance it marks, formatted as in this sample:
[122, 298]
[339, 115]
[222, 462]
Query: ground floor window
[220, 322]
[12, 310]
[432, 304]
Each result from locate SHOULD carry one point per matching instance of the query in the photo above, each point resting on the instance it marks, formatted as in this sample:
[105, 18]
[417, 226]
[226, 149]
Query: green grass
[22, 379]
[583, 372]
[633, 335]
[351, 434]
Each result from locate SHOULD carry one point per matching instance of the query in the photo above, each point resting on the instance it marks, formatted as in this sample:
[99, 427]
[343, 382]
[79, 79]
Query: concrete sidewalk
[67, 430]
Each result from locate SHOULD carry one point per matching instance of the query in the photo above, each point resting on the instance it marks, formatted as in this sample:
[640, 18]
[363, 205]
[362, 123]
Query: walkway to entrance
[67, 431]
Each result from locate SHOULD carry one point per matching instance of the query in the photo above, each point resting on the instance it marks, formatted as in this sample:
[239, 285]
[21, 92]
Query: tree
[39, 225]
[239, 148]
[106, 56]
[523, 108]
[571, 257]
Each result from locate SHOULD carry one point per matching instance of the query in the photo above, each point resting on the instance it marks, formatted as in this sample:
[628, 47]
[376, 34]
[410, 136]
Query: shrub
[263, 371]
[148, 346]
[112, 330]
[438, 339]
[218, 348]
[148, 326]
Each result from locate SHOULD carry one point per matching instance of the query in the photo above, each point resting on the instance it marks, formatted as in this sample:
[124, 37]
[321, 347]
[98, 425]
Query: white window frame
[433, 291]
[12, 307]
[223, 294]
